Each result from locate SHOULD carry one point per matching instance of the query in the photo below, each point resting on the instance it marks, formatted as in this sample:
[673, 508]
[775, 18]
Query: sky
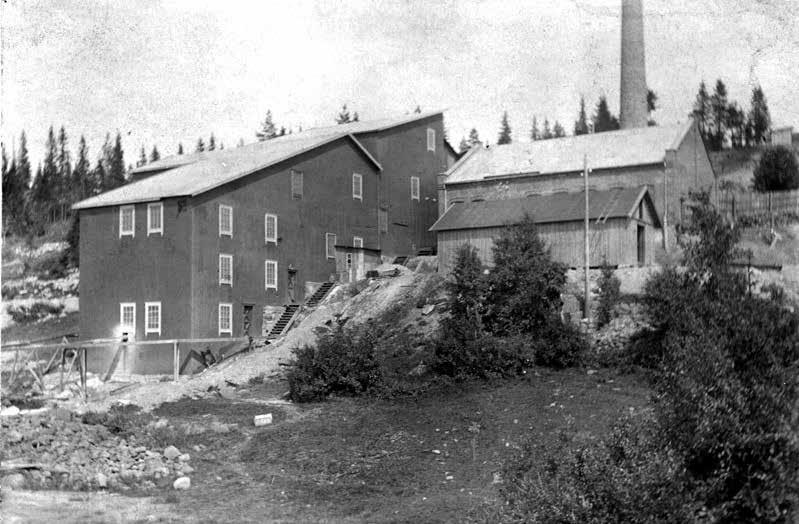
[166, 71]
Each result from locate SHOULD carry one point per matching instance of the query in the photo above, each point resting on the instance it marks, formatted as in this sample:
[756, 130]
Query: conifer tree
[504, 130]
[81, 183]
[142, 158]
[344, 115]
[701, 112]
[200, 147]
[718, 108]
[8, 180]
[558, 131]
[603, 119]
[211, 142]
[155, 155]
[180, 148]
[535, 134]
[418, 109]
[44, 190]
[115, 176]
[268, 130]
[581, 124]
[474, 138]
[98, 178]
[546, 132]
[651, 106]
[64, 177]
[15, 203]
[355, 117]
[759, 117]
[464, 145]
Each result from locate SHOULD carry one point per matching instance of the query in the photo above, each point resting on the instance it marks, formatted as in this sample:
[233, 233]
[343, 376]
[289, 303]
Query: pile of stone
[609, 344]
[54, 449]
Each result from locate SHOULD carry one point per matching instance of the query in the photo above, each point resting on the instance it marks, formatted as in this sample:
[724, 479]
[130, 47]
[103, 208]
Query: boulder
[171, 452]
[182, 483]
[102, 480]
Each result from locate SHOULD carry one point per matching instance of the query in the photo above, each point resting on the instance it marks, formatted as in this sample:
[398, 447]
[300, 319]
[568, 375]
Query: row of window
[152, 317]
[155, 220]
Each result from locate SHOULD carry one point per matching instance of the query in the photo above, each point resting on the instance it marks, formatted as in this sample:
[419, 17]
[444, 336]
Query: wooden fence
[755, 204]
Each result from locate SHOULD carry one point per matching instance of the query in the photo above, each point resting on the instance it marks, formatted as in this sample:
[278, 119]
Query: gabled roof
[192, 174]
[546, 209]
[625, 148]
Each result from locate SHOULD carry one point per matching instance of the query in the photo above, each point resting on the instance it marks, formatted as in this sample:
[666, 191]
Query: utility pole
[585, 236]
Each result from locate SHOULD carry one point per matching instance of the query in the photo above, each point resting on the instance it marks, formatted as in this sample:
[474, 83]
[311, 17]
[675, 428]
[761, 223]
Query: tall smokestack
[633, 112]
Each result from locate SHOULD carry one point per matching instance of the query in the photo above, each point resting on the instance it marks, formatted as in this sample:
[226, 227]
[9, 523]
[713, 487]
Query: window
[225, 220]
[127, 317]
[225, 319]
[155, 218]
[382, 220]
[152, 318]
[357, 242]
[127, 221]
[226, 270]
[330, 245]
[357, 186]
[414, 188]
[296, 185]
[270, 274]
[270, 228]
[431, 139]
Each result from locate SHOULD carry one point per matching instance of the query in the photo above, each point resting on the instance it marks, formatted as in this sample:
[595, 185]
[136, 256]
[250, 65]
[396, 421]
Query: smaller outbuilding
[625, 228]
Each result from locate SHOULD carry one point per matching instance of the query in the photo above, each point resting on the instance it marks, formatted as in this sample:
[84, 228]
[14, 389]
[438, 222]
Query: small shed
[352, 262]
[624, 226]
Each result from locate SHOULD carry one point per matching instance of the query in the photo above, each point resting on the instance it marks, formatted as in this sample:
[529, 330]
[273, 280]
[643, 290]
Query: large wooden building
[624, 226]
[199, 245]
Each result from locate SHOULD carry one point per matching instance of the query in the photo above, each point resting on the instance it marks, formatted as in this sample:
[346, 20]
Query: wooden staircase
[284, 322]
[320, 293]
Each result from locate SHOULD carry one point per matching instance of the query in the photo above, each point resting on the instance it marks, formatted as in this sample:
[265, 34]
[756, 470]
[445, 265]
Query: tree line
[723, 123]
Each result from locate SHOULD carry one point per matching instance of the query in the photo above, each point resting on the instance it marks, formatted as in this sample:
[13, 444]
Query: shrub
[609, 293]
[36, 311]
[483, 356]
[777, 170]
[50, 266]
[559, 345]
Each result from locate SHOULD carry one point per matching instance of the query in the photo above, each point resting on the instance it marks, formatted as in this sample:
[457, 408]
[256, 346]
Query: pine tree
[98, 178]
[142, 158]
[603, 119]
[759, 117]
[9, 176]
[155, 155]
[651, 106]
[718, 109]
[344, 116]
[115, 176]
[546, 132]
[282, 131]
[504, 130]
[535, 134]
[581, 124]
[81, 183]
[44, 190]
[736, 123]
[211, 142]
[180, 148]
[701, 112]
[355, 117]
[464, 145]
[15, 202]
[474, 138]
[558, 130]
[64, 177]
[418, 109]
[268, 130]
[200, 147]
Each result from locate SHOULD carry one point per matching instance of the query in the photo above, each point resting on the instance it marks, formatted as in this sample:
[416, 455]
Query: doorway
[641, 244]
[246, 320]
[291, 286]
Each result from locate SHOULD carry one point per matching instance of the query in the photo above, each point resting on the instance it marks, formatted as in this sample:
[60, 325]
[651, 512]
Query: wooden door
[641, 243]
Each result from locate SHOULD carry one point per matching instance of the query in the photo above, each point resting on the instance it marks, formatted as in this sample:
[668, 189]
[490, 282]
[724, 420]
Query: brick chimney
[633, 112]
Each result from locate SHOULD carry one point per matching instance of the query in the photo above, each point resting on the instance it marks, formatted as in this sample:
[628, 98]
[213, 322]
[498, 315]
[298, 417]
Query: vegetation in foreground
[720, 442]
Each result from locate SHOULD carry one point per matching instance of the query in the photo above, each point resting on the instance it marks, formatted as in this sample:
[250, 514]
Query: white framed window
[270, 228]
[270, 274]
[357, 242]
[330, 245]
[225, 220]
[155, 219]
[431, 139]
[414, 188]
[296, 185]
[357, 186]
[225, 319]
[127, 221]
[225, 269]
[152, 318]
[127, 317]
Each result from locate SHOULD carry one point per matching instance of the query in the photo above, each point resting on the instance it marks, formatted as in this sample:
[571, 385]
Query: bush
[50, 266]
[609, 293]
[777, 170]
[483, 356]
[343, 362]
[36, 311]
[559, 345]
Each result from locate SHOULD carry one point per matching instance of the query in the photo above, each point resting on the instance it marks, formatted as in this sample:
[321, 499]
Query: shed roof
[624, 148]
[545, 209]
[196, 173]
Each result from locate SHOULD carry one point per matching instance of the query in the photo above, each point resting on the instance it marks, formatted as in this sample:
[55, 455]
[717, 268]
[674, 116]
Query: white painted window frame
[415, 186]
[356, 177]
[431, 139]
[229, 307]
[223, 231]
[224, 281]
[329, 246]
[122, 231]
[267, 238]
[131, 329]
[268, 263]
[357, 242]
[160, 229]
[148, 330]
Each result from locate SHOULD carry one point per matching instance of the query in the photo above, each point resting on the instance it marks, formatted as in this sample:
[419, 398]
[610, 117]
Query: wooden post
[83, 365]
[585, 238]
[175, 361]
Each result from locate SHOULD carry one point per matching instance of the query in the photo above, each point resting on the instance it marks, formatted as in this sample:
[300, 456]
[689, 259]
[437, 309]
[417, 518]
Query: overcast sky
[167, 71]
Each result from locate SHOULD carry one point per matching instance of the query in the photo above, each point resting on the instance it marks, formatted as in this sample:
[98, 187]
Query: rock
[14, 436]
[182, 483]
[591, 372]
[262, 420]
[196, 448]
[13, 481]
[187, 470]
[184, 457]
[171, 452]
[428, 309]
[102, 480]
[10, 411]
[161, 423]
